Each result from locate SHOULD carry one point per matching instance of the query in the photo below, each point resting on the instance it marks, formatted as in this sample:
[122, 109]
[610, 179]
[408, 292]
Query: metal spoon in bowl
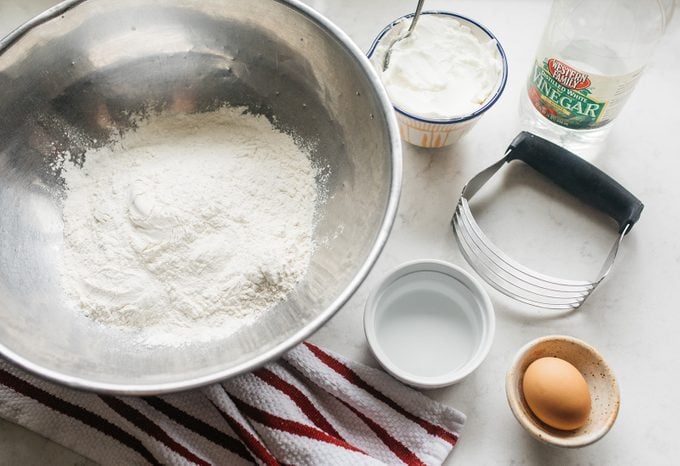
[419, 8]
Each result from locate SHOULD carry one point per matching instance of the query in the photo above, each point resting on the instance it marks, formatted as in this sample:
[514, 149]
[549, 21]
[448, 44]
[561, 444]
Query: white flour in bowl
[189, 227]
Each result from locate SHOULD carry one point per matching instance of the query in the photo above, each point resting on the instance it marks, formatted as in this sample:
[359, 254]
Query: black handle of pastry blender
[578, 177]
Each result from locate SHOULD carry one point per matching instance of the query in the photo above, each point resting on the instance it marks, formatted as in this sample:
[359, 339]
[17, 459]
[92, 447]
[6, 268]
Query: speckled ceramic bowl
[426, 132]
[604, 390]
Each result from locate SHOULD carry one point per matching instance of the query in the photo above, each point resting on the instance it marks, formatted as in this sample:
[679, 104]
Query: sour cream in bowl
[442, 77]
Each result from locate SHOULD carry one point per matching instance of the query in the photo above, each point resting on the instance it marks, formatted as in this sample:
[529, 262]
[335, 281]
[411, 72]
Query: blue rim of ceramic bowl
[480, 110]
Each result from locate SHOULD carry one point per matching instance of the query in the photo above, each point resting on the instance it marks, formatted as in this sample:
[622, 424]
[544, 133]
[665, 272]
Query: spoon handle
[419, 8]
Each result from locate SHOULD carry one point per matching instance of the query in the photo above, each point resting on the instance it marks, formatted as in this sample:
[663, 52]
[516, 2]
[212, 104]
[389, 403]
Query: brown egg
[557, 393]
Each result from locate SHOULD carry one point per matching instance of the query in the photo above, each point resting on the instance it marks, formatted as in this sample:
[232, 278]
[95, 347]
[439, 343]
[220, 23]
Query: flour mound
[189, 226]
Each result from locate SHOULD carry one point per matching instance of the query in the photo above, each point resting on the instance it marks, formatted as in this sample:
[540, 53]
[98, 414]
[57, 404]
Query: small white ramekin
[413, 293]
[431, 133]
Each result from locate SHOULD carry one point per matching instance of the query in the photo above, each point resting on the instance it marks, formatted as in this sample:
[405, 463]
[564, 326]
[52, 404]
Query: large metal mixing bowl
[71, 77]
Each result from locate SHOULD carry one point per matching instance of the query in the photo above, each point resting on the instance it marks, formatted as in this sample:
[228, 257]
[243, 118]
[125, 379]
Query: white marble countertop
[631, 318]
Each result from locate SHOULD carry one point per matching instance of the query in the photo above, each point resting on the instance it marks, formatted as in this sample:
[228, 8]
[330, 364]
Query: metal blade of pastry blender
[506, 274]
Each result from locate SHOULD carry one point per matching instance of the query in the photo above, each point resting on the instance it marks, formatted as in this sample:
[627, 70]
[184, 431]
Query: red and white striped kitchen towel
[311, 407]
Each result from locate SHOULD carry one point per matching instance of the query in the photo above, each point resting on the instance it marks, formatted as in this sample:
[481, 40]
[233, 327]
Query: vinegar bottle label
[568, 96]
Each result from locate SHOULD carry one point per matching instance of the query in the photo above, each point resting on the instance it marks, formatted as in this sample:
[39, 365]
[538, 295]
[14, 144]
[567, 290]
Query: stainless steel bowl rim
[313, 326]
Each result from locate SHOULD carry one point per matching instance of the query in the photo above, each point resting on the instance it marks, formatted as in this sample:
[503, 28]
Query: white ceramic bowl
[604, 391]
[427, 132]
[429, 323]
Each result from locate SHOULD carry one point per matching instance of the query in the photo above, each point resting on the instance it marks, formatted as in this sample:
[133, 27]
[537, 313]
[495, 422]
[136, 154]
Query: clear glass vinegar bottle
[589, 60]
